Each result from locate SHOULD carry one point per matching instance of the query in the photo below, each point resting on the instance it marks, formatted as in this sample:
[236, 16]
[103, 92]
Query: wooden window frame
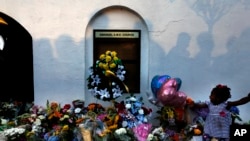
[130, 55]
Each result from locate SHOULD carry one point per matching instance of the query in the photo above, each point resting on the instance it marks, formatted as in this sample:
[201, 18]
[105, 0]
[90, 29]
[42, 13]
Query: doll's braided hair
[222, 92]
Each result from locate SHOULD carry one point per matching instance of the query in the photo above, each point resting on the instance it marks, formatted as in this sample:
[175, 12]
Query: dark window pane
[128, 50]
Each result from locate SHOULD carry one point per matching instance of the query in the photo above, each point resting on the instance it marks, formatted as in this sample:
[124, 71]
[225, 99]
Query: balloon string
[187, 115]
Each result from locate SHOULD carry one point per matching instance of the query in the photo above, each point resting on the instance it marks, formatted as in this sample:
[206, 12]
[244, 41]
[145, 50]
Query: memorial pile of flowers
[52, 122]
[75, 122]
[126, 120]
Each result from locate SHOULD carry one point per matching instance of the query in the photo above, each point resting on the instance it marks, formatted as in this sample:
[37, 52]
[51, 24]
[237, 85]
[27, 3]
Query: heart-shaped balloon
[166, 95]
[157, 82]
[169, 95]
[171, 83]
[179, 100]
[178, 80]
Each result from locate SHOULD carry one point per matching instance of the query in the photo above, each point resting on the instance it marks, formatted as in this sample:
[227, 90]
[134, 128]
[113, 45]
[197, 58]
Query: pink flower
[141, 131]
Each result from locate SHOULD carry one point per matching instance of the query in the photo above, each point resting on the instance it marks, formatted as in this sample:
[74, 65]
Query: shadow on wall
[233, 63]
[58, 70]
[16, 62]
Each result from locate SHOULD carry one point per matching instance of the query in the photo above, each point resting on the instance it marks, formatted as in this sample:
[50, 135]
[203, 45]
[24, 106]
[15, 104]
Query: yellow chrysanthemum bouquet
[106, 77]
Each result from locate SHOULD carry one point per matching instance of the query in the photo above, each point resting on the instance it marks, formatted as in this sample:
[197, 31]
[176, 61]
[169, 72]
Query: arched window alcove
[16, 61]
[118, 18]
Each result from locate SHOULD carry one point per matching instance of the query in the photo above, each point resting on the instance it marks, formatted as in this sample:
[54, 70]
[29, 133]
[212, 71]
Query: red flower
[222, 113]
[67, 106]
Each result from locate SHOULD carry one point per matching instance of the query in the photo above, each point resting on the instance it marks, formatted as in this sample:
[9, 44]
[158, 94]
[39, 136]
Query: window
[127, 45]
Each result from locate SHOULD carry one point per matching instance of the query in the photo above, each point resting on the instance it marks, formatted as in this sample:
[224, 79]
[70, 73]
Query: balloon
[154, 84]
[168, 94]
[167, 91]
[171, 83]
[180, 99]
[157, 82]
[178, 80]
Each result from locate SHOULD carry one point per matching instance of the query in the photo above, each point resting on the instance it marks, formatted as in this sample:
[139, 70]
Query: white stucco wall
[219, 28]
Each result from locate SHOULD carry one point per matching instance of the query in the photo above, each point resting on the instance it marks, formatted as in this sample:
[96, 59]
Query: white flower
[124, 123]
[120, 72]
[104, 93]
[33, 115]
[34, 128]
[121, 131]
[81, 125]
[20, 130]
[12, 132]
[132, 98]
[41, 117]
[116, 92]
[40, 110]
[78, 110]
[150, 137]
[91, 71]
[96, 80]
[128, 106]
[37, 122]
[141, 112]
[120, 67]
[158, 130]
[4, 121]
[94, 91]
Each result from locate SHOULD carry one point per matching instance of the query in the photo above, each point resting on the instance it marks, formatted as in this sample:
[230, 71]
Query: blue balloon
[157, 82]
[178, 80]
[154, 85]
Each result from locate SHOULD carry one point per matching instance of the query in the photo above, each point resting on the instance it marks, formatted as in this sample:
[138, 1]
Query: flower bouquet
[14, 134]
[106, 77]
[133, 112]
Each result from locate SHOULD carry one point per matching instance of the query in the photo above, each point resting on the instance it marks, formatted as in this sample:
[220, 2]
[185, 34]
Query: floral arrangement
[172, 123]
[13, 134]
[106, 77]
[10, 109]
[132, 111]
[134, 116]
[123, 121]
[161, 134]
